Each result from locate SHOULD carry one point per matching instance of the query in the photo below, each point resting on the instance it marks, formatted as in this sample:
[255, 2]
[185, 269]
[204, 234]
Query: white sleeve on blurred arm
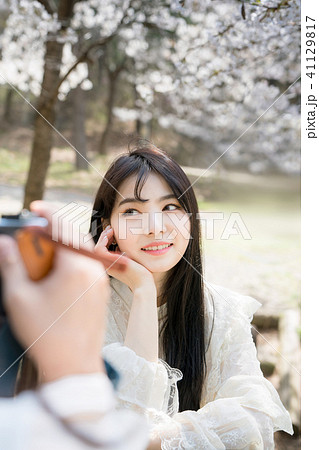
[75, 412]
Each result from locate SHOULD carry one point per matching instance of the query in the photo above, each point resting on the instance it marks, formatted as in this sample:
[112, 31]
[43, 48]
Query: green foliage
[13, 167]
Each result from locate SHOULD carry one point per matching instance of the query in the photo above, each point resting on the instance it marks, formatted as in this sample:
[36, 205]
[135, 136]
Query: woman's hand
[142, 328]
[135, 276]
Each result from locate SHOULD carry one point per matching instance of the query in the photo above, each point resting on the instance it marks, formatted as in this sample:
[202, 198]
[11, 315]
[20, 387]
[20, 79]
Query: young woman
[183, 347]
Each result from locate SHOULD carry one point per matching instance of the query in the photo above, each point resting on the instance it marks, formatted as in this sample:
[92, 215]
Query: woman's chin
[151, 266]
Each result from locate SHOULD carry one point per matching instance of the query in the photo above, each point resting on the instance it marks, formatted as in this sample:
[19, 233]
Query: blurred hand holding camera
[61, 317]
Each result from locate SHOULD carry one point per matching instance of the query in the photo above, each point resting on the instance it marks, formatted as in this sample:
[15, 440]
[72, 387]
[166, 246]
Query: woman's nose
[156, 223]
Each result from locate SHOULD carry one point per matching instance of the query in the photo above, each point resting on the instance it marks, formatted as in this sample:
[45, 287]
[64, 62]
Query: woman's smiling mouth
[157, 249]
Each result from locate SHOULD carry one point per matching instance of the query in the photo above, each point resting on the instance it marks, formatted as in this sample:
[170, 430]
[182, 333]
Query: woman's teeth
[157, 248]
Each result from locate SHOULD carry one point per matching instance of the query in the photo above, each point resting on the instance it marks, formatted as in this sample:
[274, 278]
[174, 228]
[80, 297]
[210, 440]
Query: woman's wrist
[142, 329]
[145, 285]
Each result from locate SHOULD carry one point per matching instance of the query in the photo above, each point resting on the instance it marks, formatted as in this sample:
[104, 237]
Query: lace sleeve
[144, 384]
[240, 373]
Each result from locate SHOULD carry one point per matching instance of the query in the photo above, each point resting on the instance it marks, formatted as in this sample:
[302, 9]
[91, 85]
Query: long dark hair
[183, 332]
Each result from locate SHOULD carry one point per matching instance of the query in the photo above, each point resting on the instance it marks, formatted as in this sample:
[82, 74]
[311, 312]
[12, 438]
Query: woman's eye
[134, 212]
[130, 212]
[172, 207]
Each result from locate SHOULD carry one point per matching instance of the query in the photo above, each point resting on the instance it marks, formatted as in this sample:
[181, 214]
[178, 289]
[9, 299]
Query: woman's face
[141, 227]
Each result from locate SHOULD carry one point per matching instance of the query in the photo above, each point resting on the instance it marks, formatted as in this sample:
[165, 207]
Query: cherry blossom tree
[46, 30]
[206, 69]
[228, 73]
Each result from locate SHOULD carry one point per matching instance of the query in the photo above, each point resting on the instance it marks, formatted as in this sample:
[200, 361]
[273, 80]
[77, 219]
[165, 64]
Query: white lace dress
[240, 409]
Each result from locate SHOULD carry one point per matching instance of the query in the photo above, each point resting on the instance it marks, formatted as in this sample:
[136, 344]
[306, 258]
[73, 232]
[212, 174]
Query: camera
[10, 349]
[9, 224]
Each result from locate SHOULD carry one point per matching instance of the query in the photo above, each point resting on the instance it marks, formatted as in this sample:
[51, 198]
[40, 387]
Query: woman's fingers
[105, 239]
[110, 236]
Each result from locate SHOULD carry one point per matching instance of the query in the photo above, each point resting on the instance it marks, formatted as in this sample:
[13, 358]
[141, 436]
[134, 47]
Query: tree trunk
[45, 118]
[42, 140]
[138, 122]
[149, 129]
[109, 112]
[138, 127]
[79, 136]
[7, 116]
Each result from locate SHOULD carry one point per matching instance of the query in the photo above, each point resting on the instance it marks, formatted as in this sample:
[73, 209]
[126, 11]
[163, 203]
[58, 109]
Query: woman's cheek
[182, 230]
[125, 240]
[119, 231]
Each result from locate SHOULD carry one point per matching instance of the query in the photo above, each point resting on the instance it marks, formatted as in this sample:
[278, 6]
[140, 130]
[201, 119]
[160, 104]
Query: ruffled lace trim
[171, 401]
[144, 383]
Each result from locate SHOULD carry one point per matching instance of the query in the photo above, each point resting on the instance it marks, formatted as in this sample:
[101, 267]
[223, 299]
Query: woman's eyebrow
[135, 200]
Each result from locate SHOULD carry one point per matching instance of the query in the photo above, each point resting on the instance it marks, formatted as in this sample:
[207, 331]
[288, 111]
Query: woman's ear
[104, 222]
[114, 241]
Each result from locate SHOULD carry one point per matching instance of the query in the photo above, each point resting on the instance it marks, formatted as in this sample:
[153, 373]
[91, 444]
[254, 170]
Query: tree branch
[84, 55]
[221, 33]
[115, 73]
[49, 6]
[65, 12]
[154, 26]
[273, 9]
